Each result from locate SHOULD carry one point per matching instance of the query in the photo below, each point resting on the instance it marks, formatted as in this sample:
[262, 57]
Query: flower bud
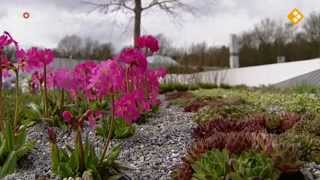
[52, 136]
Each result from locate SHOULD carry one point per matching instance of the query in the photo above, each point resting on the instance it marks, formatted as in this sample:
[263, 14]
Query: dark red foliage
[195, 106]
[238, 142]
[212, 102]
[210, 128]
[288, 120]
[183, 172]
[179, 94]
[234, 142]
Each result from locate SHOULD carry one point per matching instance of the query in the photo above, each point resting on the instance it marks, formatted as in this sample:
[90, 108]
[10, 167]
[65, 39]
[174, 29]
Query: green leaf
[9, 165]
[9, 136]
[115, 177]
[112, 155]
[55, 159]
[24, 149]
[66, 171]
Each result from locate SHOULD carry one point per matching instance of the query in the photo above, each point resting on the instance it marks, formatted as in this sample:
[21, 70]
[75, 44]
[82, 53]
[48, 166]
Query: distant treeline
[260, 45]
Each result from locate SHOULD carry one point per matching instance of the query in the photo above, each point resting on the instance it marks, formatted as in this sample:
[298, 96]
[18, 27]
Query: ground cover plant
[108, 97]
[275, 128]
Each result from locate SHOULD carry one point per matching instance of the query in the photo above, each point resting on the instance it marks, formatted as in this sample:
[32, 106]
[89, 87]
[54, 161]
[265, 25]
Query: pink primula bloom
[6, 39]
[38, 58]
[126, 108]
[50, 79]
[130, 106]
[107, 79]
[148, 42]
[67, 116]
[134, 58]
[52, 135]
[64, 79]
[21, 56]
[82, 74]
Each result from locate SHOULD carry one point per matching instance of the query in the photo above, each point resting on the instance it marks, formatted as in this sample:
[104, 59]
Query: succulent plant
[286, 157]
[209, 128]
[212, 165]
[251, 165]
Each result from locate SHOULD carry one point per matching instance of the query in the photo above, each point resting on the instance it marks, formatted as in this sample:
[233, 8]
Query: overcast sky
[53, 19]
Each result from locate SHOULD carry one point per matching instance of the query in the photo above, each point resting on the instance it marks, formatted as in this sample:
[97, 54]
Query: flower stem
[45, 91]
[62, 100]
[15, 122]
[106, 146]
[1, 118]
[81, 155]
[127, 79]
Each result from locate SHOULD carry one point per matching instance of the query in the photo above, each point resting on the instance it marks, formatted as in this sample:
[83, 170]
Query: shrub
[209, 128]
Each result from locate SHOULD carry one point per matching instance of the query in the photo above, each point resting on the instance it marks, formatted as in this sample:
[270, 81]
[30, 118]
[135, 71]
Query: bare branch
[110, 6]
[169, 6]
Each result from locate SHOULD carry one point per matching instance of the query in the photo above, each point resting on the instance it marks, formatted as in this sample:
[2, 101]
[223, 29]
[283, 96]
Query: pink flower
[22, 62]
[133, 57]
[38, 58]
[126, 108]
[5, 64]
[107, 79]
[148, 42]
[68, 117]
[82, 74]
[130, 106]
[6, 39]
[52, 136]
[36, 81]
[64, 79]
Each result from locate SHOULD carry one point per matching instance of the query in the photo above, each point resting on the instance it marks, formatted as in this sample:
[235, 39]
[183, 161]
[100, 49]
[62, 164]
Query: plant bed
[285, 133]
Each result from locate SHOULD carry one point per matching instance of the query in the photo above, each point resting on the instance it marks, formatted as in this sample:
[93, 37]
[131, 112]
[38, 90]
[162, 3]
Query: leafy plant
[308, 145]
[252, 166]
[219, 164]
[121, 129]
[67, 162]
[13, 146]
[310, 124]
[212, 165]
[286, 157]
[233, 111]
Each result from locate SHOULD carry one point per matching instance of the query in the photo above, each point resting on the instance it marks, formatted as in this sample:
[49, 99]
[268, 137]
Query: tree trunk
[137, 21]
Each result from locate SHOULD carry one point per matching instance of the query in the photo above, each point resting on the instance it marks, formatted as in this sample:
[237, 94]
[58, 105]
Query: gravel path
[153, 151]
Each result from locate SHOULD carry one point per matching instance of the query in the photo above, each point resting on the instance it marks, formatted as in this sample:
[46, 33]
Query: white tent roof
[158, 60]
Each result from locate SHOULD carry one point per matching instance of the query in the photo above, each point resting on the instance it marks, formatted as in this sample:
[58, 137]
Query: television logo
[295, 16]
[26, 15]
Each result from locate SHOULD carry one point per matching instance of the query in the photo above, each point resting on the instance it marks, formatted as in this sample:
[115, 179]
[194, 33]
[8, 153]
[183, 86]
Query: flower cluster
[126, 79]
[148, 42]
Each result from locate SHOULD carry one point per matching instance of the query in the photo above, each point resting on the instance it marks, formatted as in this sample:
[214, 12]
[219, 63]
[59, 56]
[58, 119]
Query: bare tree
[137, 7]
[70, 45]
[312, 27]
